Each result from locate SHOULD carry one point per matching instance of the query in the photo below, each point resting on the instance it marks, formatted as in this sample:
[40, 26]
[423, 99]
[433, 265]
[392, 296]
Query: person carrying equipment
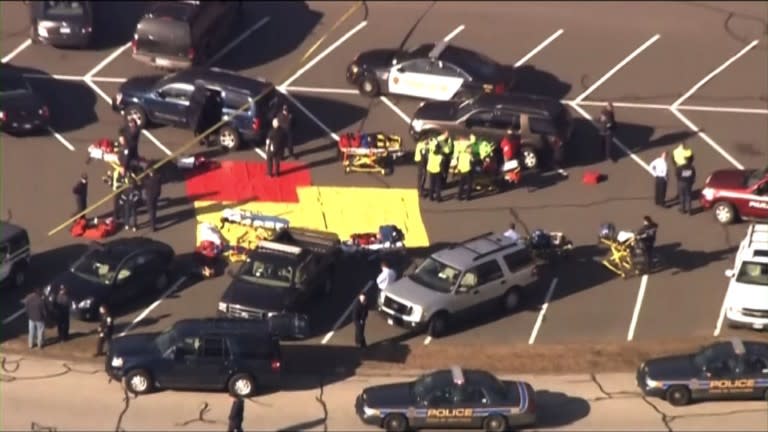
[464, 165]
[435, 162]
[420, 155]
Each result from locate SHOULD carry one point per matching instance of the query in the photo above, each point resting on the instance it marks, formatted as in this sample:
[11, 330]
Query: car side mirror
[729, 273]
[400, 69]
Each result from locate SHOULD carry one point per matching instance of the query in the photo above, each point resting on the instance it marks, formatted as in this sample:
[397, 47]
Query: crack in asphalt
[37, 427]
[126, 406]
[205, 408]
[312, 424]
[10, 367]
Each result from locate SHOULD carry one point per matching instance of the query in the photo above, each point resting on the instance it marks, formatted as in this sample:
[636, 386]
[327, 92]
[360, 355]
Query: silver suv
[487, 270]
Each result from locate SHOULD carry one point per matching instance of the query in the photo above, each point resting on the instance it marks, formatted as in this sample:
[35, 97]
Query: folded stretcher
[372, 152]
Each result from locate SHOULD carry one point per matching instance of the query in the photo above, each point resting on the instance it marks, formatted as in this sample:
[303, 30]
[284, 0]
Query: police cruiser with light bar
[450, 398]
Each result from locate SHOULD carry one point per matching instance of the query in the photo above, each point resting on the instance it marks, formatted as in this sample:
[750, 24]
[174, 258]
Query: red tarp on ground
[239, 181]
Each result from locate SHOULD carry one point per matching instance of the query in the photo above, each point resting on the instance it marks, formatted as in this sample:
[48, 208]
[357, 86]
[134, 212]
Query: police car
[436, 71]
[746, 302]
[724, 370]
[450, 398]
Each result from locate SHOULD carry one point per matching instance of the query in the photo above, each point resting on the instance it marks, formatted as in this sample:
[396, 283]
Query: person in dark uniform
[62, 303]
[131, 132]
[434, 171]
[210, 112]
[360, 316]
[152, 190]
[285, 119]
[647, 236]
[80, 190]
[607, 127]
[235, 423]
[686, 177]
[275, 148]
[129, 200]
[105, 330]
[420, 159]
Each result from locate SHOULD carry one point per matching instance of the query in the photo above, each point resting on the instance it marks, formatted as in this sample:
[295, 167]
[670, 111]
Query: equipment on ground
[549, 246]
[626, 254]
[370, 152]
[389, 237]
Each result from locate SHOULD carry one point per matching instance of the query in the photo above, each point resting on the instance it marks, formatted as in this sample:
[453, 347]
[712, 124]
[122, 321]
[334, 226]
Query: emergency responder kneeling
[464, 166]
[420, 155]
[435, 164]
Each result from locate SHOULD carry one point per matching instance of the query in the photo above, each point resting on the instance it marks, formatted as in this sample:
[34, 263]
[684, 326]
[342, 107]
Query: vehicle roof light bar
[457, 375]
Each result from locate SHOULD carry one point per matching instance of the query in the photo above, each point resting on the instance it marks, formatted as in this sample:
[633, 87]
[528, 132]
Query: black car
[61, 23]
[166, 100]
[113, 273]
[200, 354]
[283, 275]
[432, 71]
[545, 124]
[178, 34]
[21, 109]
[14, 254]
[451, 398]
[725, 370]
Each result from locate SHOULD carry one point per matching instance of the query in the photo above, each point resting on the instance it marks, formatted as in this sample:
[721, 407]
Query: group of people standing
[685, 174]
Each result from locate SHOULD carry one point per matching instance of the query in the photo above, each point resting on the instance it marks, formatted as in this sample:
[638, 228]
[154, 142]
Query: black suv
[61, 23]
[178, 34]
[205, 354]
[545, 124]
[167, 100]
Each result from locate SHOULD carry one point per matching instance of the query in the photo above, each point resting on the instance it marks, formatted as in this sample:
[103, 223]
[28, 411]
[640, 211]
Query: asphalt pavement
[675, 71]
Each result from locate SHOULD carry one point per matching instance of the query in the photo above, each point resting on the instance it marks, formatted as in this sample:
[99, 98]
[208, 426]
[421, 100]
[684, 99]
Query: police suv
[436, 71]
[469, 278]
[746, 302]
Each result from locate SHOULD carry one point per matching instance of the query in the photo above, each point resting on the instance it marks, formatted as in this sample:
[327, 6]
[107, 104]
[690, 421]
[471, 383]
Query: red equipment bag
[349, 140]
[78, 228]
[592, 178]
[364, 239]
[106, 145]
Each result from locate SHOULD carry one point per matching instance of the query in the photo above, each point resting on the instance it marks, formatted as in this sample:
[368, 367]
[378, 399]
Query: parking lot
[668, 79]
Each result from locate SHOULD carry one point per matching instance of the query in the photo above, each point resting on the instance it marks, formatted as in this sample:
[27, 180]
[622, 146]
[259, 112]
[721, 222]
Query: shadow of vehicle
[534, 81]
[586, 145]
[46, 265]
[138, 326]
[289, 25]
[72, 104]
[114, 22]
[670, 139]
[673, 257]
[340, 115]
[141, 301]
[555, 409]
[581, 271]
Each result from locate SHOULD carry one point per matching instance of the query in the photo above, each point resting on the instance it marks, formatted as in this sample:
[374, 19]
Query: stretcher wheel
[347, 170]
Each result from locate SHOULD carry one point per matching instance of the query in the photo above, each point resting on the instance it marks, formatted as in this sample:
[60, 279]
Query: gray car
[483, 272]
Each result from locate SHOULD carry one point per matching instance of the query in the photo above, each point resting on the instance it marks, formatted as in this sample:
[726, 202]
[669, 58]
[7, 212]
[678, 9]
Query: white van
[746, 302]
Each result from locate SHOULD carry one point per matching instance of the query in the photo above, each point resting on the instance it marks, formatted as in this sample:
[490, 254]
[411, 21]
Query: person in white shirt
[511, 233]
[387, 276]
[659, 169]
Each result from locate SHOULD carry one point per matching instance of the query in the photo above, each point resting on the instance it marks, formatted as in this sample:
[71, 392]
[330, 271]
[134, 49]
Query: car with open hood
[736, 194]
[22, 111]
[61, 23]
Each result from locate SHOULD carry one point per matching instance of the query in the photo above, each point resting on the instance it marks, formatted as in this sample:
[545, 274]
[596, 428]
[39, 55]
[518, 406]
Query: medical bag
[592, 178]
[391, 234]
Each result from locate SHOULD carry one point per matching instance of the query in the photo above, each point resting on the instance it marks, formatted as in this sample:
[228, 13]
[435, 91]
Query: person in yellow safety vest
[435, 172]
[682, 155]
[446, 147]
[464, 165]
[420, 155]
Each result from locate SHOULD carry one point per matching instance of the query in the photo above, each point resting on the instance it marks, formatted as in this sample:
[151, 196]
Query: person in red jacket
[510, 149]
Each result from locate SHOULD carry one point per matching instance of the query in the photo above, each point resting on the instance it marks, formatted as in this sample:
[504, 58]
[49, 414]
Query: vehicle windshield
[753, 273]
[97, 265]
[755, 176]
[165, 340]
[167, 79]
[276, 272]
[12, 84]
[424, 386]
[713, 353]
[436, 275]
[63, 8]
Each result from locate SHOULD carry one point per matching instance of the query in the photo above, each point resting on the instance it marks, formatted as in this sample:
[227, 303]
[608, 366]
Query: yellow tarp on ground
[341, 210]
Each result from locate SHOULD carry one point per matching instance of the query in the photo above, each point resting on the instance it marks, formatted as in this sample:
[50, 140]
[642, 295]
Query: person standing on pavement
[420, 155]
[387, 276]
[132, 133]
[63, 303]
[235, 420]
[686, 177]
[682, 155]
[360, 315]
[446, 148]
[464, 165]
[275, 148]
[647, 236]
[80, 190]
[36, 314]
[285, 120]
[607, 127]
[152, 191]
[659, 170]
[129, 201]
[435, 172]
[105, 330]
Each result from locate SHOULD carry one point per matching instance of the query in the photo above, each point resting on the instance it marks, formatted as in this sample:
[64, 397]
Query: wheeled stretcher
[626, 255]
[257, 227]
[374, 152]
[388, 237]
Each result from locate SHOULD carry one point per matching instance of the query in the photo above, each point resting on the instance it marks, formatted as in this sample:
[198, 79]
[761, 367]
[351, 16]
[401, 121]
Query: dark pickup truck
[282, 275]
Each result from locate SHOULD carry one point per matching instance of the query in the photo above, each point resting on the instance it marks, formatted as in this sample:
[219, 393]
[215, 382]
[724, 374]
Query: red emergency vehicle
[736, 194]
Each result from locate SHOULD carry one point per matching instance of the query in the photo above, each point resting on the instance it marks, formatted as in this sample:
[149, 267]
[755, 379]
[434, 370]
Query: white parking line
[638, 306]
[108, 79]
[322, 55]
[239, 39]
[722, 109]
[615, 140]
[707, 139]
[61, 139]
[320, 90]
[16, 52]
[542, 312]
[616, 68]
[720, 320]
[74, 78]
[396, 109]
[15, 315]
[619, 104]
[157, 302]
[260, 152]
[713, 74]
[107, 61]
[311, 116]
[336, 325]
[453, 34]
[539, 48]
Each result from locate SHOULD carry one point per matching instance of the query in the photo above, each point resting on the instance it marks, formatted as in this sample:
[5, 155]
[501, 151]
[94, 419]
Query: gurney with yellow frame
[372, 153]
[625, 254]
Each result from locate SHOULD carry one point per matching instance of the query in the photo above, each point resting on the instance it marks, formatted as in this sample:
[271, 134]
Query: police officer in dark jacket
[236, 414]
[131, 132]
[62, 303]
[607, 127]
[129, 200]
[152, 190]
[285, 119]
[105, 330]
[360, 315]
[80, 190]
[686, 177]
[647, 236]
[275, 148]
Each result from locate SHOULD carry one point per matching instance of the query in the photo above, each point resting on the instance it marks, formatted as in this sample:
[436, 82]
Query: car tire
[241, 385]
[138, 382]
[229, 138]
[511, 299]
[530, 158]
[161, 284]
[395, 423]
[136, 113]
[368, 86]
[495, 423]
[724, 213]
[438, 325]
[19, 275]
[678, 396]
